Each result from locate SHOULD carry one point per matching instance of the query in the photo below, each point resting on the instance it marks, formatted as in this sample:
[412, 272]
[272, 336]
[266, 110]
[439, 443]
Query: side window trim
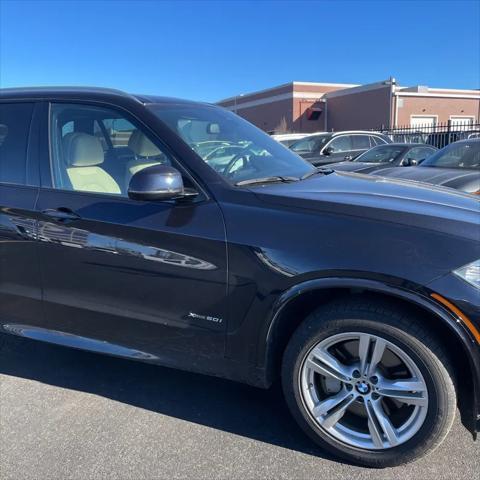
[379, 139]
[33, 147]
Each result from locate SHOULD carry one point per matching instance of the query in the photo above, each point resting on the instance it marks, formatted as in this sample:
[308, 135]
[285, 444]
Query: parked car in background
[360, 294]
[392, 155]
[455, 166]
[288, 139]
[323, 148]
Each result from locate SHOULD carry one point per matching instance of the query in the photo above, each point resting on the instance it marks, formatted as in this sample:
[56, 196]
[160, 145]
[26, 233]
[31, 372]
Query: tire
[362, 435]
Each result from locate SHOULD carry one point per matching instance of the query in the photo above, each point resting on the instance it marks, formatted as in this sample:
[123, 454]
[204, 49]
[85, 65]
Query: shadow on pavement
[228, 406]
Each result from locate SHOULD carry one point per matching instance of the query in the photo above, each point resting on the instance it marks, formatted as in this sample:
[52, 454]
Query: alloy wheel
[363, 390]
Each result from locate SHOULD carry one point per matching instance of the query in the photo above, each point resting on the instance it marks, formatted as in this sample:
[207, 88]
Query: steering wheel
[243, 155]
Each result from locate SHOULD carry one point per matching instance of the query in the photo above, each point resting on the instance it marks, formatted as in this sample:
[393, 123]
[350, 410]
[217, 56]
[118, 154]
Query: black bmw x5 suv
[177, 233]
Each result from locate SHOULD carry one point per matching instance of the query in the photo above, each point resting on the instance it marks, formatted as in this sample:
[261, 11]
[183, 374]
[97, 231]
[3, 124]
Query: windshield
[456, 155]
[381, 154]
[310, 144]
[233, 147]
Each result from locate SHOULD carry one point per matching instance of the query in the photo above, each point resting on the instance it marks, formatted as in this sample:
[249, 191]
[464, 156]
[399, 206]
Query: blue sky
[208, 50]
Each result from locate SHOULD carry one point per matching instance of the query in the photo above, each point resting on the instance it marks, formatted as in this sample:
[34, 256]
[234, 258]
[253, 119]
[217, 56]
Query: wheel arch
[303, 298]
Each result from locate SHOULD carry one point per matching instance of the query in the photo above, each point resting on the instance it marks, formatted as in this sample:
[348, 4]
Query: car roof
[467, 140]
[85, 93]
[346, 132]
[406, 144]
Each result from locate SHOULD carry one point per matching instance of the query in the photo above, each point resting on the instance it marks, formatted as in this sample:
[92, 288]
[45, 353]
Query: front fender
[419, 297]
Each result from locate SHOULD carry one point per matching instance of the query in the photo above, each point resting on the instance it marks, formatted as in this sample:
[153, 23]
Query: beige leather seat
[84, 156]
[146, 154]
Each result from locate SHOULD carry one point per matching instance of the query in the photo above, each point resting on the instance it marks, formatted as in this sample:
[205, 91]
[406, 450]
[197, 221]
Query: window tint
[97, 150]
[341, 144]
[360, 142]
[15, 121]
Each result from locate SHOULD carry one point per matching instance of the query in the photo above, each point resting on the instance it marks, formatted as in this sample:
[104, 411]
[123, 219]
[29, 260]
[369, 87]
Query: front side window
[456, 155]
[341, 144]
[231, 146]
[97, 150]
[15, 121]
[310, 144]
[420, 153]
[381, 154]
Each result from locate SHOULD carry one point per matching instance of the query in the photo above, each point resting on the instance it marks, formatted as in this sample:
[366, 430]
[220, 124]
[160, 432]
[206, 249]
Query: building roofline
[474, 90]
[473, 96]
[327, 84]
[361, 88]
[256, 92]
[283, 85]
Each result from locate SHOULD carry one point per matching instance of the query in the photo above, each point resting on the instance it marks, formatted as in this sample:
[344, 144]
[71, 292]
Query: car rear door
[140, 279]
[20, 286]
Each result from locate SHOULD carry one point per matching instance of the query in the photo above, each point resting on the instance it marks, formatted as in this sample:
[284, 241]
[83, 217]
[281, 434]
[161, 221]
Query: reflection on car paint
[267, 257]
[23, 227]
[76, 341]
[79, 238]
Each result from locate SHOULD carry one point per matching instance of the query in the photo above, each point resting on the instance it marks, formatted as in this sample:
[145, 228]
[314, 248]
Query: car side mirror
[410, 162]
[328, 151]
[158, 182]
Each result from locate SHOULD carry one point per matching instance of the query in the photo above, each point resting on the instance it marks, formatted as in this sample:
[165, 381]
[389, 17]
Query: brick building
[313, 107]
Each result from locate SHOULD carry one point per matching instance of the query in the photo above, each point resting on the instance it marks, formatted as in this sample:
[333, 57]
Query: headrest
[82, 150]
[140, 145]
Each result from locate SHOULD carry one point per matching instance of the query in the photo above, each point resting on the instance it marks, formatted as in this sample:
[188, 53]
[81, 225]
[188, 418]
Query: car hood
[459, 178]
[383, 199]
[360, 167]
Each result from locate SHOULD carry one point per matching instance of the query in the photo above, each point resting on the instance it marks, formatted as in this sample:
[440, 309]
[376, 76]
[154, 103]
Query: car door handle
[348, 157]
[61, 214]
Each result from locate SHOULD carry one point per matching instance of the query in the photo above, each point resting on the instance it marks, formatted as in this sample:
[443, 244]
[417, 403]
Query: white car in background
[288, 139]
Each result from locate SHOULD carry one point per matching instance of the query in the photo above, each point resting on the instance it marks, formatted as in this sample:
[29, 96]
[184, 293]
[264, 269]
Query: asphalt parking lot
[67, 414]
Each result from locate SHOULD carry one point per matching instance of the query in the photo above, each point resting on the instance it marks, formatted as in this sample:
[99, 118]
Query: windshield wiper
[254, 181]
[323, 171]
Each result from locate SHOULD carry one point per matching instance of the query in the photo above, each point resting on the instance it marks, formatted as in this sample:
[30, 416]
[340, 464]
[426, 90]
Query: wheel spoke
[330, 411]
[326, 405]
[379, 424]
[363, 349]
[409, 391]
[326, 364]
[377, 354]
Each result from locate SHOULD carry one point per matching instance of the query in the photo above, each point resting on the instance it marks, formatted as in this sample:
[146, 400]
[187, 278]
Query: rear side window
[15, 121]
[360, 142]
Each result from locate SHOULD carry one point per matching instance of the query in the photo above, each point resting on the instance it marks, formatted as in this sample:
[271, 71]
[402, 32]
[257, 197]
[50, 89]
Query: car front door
[336, 150]
[20, 285]
[134, 278]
